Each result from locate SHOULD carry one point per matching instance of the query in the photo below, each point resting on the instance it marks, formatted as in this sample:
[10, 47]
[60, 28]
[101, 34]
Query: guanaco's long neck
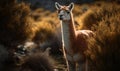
[68, 33]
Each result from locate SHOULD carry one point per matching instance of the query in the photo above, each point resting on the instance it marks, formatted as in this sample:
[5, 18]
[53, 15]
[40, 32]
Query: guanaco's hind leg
[82, 66]
[72, 66]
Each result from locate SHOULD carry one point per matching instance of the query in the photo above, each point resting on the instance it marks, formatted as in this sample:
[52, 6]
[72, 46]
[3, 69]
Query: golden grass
[18, 25]
[44, 32]
[104, 48]
[103, 19]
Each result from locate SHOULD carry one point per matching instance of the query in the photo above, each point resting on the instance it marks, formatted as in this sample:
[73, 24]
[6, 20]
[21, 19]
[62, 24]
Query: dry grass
[45, 32]
[38, 62]
[104, 48]
[101, 54]
[99, 11]
[18, 25]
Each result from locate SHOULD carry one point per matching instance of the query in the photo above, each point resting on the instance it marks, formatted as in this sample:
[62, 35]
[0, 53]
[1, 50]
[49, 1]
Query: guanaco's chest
[66, 36]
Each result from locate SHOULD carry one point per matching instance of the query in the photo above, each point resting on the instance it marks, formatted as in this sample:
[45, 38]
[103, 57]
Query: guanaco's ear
[71, 6]
[57, 5]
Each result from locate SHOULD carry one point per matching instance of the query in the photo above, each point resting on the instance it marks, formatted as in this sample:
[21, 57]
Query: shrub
[16, 25]
[98, 13]
[38, 62]
[104, 48]
[45, 32]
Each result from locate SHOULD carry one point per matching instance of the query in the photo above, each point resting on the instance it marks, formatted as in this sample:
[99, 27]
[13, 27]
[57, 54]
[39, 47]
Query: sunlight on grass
[19, 24]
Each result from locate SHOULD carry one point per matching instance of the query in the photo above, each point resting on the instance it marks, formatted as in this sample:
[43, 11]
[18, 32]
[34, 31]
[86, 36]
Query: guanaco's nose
[61, 17]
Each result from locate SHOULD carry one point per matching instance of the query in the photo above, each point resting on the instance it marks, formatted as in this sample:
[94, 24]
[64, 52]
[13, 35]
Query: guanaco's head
[64, 12]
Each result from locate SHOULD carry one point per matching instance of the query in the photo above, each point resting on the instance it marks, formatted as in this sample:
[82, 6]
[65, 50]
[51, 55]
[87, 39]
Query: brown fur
[78, 39]
[75, 43]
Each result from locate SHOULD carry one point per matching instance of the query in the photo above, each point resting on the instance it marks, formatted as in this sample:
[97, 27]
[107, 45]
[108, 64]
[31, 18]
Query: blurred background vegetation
[36, 21]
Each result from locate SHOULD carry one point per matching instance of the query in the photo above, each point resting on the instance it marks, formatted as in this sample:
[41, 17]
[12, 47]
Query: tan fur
[77, 41]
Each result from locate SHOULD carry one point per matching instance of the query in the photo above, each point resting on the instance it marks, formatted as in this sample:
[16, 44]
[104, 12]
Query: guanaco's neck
[68, 33]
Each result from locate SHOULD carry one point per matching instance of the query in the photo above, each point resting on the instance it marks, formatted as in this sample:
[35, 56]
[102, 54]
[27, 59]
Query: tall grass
[16, 24]
[104, 48]
[97, 13]
[38, 62]
[45, 32]
[17, 27]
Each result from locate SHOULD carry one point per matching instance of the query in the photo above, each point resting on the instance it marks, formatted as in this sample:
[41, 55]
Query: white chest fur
[66, 36]
[66, 42]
